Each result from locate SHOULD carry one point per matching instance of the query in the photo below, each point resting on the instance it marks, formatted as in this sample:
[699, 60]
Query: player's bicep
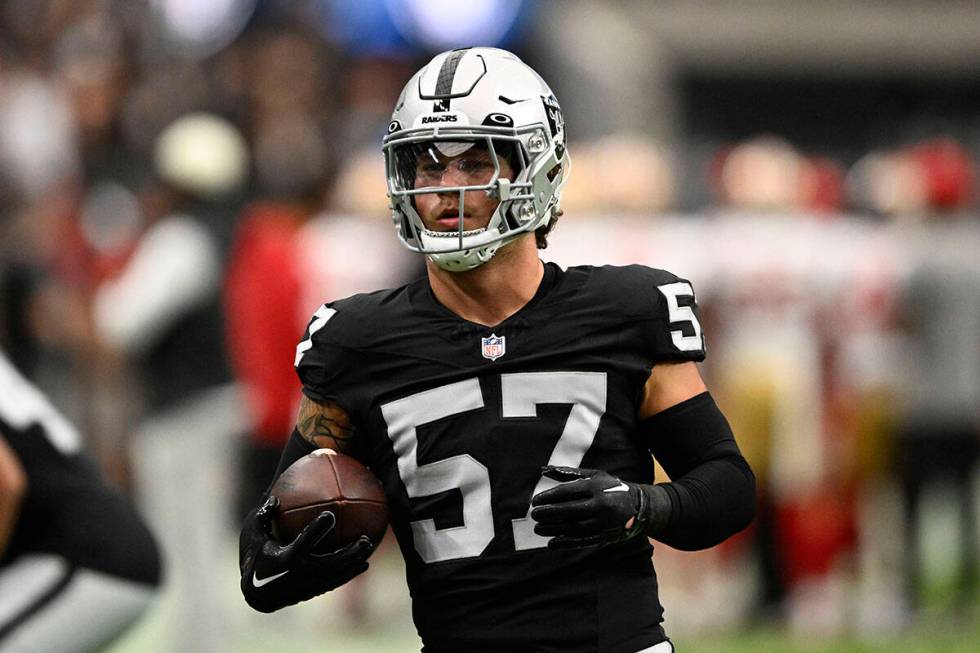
[325, 425]
[668, 385]
[671, 339]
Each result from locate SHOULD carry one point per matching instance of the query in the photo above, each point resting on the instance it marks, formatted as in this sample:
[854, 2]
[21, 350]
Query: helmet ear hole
[508, 151]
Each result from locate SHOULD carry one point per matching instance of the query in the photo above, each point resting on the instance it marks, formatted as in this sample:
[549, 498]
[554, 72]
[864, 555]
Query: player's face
[474, 167]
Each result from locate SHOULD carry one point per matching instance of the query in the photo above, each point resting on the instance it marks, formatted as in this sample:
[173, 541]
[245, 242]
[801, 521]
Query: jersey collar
[424, 301]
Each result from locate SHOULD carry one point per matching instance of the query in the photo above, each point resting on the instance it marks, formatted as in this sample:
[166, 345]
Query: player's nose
[448, 200]
[446, 184]
[452, 176]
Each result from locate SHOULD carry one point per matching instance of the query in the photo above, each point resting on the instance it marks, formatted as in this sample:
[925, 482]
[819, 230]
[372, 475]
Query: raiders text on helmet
[477, 97]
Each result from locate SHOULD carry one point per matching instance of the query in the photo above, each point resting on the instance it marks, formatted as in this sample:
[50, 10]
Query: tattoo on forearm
[325, 425]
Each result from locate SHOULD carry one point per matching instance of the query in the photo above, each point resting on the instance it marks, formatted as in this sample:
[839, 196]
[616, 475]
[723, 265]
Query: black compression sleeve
[296, 447]
[711, 495]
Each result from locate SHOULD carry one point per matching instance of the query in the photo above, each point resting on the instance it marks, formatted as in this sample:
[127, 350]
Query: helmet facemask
[417, 160]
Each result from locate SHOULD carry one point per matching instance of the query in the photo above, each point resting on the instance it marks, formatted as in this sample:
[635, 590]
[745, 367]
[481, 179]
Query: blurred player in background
[162, 312]
[508, 406]
[939, 440]
[77, 564]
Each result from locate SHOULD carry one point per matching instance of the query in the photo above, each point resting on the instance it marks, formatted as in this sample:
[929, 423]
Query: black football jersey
[68, 509]
[457, 419]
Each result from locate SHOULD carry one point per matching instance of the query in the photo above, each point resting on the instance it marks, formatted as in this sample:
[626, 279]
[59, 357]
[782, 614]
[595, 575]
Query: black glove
[592, 507]
[275, 574]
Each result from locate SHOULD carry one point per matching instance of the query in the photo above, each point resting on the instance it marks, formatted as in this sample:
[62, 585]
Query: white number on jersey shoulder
[320, 319]
[679, 314]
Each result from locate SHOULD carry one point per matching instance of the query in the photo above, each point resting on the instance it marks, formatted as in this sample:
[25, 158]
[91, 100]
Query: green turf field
[324, 625]
[935, 638]
[268, 634]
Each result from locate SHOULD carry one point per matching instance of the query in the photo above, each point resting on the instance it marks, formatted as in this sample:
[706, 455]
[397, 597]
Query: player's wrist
[654, 508]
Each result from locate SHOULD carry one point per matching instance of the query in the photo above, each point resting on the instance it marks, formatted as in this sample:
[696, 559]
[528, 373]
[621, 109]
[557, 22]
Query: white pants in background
[50, 607]
[183, 465]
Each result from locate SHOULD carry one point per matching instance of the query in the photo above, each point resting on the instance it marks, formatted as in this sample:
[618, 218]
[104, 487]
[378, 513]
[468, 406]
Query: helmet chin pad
[461, 260]
[466, 260]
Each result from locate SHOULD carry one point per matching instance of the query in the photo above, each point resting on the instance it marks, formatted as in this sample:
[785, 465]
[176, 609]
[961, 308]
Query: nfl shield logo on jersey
[494, 347]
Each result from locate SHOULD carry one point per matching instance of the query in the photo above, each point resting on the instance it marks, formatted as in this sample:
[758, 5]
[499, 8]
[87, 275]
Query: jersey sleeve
[672, 332]
[321, 363]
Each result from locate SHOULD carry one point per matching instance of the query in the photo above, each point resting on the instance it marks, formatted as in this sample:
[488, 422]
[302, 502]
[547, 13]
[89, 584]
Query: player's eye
[478, 170]
[431, 168]
[474, 165]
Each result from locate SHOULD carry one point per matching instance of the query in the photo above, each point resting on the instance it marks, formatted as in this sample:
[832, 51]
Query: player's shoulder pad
[633, 289]
[345, 324]
[327, 355]
[349, 322]
[662, 301]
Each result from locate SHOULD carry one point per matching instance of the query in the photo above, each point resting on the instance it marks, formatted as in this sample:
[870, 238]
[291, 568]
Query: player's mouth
[450, 219]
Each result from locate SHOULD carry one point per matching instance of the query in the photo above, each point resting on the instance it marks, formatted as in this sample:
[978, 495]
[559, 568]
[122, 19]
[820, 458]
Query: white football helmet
[476, 98]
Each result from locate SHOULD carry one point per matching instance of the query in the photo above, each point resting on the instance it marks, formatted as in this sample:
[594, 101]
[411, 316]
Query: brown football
[328, 480]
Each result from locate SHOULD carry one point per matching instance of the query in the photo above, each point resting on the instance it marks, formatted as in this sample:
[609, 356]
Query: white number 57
[521, 394]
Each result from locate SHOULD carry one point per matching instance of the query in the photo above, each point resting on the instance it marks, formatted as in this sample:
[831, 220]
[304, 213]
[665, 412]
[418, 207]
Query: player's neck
[494, 291]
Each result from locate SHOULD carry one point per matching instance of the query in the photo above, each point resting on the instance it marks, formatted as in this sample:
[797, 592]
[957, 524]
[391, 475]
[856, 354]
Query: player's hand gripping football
[590, 507]
[276, 574]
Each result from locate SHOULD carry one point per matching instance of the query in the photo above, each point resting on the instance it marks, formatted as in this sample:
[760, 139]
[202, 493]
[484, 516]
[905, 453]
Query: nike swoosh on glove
[590, 507]
[277, 574]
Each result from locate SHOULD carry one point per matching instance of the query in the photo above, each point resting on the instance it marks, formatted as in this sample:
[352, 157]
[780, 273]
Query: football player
[77, 564]
[509, 407]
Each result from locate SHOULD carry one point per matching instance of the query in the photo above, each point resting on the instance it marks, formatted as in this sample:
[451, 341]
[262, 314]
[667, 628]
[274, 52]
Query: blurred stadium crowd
[182, 183]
